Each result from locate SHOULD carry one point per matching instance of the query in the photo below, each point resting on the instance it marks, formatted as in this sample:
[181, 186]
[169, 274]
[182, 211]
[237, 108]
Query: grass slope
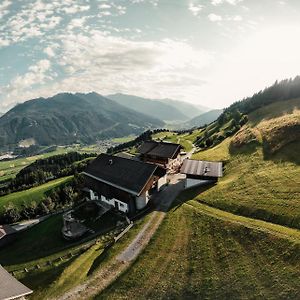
[256, 185]
[9, 169]
[203, 253]
[36, 194]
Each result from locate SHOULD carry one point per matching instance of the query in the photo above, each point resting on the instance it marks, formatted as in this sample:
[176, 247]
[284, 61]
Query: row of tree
[145, 136]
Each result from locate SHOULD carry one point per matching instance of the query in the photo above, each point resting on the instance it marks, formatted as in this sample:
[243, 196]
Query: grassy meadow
[205, 253]
[9, 169]
[36, 194]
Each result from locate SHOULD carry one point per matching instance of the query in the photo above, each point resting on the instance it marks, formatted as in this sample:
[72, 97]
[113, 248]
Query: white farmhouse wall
[161, 182]
[122, 206]
[142, 200]
[93, 195]
[189, 182]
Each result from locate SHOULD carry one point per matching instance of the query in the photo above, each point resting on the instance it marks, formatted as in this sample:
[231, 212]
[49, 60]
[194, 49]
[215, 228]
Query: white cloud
[195, 8]
[49, 51]
[214, 17]
[236, 18]
[36, 19]
[21, 86]
[108, 64]
[232, 2]
[4, 8]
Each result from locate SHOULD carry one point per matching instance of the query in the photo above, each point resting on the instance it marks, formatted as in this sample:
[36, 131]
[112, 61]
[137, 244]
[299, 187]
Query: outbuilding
[199, 171]
[161, 153]
[125, 184]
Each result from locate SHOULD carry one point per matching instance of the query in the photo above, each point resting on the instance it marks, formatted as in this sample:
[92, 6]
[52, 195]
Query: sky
[207, 52]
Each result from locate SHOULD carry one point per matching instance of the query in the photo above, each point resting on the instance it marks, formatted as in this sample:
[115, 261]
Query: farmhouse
[197, 171]
[7, 235]
[125, 184]
[11, 288]
[161, 153]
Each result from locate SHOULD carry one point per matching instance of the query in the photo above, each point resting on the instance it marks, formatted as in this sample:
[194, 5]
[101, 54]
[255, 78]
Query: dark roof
[160, 149]
[10, 287]
[202, 168]
[125, 174]
[6, 230]
[146, 147]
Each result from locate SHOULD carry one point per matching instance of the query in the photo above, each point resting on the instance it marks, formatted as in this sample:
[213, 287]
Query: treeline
[47, 169]
[211, 135]
[235, 115]
[279, 91]
[145, 136]
[63, 196]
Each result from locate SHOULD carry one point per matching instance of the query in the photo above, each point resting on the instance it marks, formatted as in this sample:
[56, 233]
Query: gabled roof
[159, 149]
[202, 168]
[125, 174]
[6, 230]
[10, 287]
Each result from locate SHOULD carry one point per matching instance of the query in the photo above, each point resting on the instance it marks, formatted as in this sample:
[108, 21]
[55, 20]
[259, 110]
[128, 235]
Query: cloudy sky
[210, 52]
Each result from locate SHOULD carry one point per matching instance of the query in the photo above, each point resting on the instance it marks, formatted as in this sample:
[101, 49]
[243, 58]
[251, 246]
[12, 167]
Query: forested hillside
[69, 118]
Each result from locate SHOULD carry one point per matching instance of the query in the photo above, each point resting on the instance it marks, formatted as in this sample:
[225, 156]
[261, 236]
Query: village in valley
[125, 187]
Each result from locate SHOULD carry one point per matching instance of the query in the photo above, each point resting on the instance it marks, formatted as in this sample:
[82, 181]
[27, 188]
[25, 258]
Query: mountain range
[203, 119]
[165, 109]
[68, 118]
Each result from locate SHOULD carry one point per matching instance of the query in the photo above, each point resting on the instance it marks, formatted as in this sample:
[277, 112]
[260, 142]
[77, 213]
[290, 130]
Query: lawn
[203, 253]
[36, 194]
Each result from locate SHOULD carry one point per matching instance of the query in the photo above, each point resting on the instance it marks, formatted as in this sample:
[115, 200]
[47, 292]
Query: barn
[199, 171]
[125, 184]
[161, 153]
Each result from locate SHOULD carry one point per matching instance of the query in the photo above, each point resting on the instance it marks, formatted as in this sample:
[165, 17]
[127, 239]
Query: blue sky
[210, 52]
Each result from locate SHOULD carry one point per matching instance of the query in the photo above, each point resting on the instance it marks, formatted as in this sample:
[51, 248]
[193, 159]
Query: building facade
[125, 184]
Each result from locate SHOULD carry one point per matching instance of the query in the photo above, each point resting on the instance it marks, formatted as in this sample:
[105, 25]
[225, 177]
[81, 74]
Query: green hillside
[71, 118]
[203, 253]
[262, 174]
[239, 238]
[36, 194]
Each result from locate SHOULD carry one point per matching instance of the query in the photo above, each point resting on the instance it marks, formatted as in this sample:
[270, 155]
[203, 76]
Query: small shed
[200, 171]
[11, 288]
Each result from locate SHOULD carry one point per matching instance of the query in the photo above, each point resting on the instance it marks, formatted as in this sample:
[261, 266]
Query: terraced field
[207, 254]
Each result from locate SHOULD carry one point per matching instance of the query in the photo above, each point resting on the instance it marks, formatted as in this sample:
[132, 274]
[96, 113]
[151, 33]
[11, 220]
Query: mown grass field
[257, 188]
[36, 194]
[203, 253]
[9, 169]
[266, 188]
[173, 137]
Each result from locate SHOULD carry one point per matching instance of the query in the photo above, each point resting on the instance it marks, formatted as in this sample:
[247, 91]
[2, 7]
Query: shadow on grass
[190, 194]
[44, 240]
[288, 153]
